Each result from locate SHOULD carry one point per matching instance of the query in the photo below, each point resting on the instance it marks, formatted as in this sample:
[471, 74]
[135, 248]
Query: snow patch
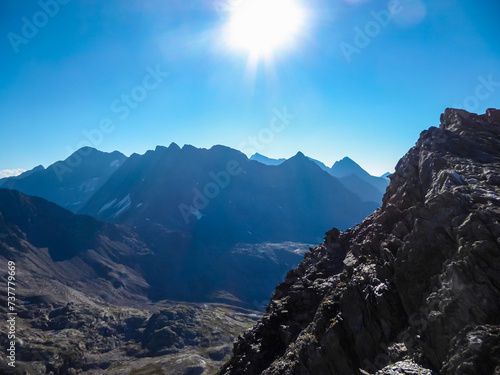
[492, 195]
[122, 206]
[455, 175]
[115, 163]
[89, 185]
[106, 206]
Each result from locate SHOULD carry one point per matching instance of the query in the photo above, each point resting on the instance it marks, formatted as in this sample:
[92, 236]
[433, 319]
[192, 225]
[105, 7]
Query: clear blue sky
[369, 105]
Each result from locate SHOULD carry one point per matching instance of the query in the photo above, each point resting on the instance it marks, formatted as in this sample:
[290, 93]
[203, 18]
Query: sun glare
[262, 26]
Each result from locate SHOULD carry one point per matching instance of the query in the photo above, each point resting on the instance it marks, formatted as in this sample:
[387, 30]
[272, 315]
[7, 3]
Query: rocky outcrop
[415, 288]
[74, 338]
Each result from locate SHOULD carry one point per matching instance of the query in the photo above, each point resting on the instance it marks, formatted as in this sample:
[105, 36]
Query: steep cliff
[415, 288]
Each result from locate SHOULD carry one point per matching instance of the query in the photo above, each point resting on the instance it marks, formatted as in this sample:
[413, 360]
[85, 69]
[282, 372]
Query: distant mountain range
[367, 187]
[216, 225]
[414, 289]
[265, 160]
[69, 183]
[83, 299]
[349, 172]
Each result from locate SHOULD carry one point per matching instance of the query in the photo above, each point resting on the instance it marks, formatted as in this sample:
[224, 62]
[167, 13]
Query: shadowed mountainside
[220, 196]
[415, 288]
[69, 183]
[81, 299]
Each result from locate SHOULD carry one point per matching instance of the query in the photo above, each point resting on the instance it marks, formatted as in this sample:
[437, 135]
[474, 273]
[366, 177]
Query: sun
[262, 26]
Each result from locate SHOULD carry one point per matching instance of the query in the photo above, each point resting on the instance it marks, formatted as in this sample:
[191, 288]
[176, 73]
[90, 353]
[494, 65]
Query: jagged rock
[405, 368]
[417, 284]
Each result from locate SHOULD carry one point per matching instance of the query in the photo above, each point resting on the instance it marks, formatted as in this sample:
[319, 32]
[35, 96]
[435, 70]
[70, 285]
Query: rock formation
[81, 301]
[415, 288]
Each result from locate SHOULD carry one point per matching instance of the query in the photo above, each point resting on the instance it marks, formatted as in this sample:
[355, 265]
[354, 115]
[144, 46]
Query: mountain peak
[458, 120]
[347, 161]
[299, 155]
[301, 162]
[87, 149]
[434, 239]
[346, 167]
[266, 160]
[174, 146]
[187, 147]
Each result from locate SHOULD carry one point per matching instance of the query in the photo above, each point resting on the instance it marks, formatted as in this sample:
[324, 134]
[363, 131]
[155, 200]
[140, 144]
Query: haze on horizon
[357, 78]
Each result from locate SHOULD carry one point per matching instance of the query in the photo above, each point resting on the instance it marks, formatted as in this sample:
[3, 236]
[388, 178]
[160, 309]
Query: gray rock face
[415, 288]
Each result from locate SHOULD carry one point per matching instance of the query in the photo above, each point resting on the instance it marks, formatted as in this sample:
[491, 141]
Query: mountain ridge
[350, 173]
[176, 188]
[82, 300]
[195, 209]
[70, 182]
[414, 289]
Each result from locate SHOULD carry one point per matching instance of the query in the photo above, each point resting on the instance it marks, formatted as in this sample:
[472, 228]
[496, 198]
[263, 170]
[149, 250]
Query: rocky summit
[415, 288]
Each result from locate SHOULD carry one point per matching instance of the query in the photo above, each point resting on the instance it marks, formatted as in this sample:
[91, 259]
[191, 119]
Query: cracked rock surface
[413, 289]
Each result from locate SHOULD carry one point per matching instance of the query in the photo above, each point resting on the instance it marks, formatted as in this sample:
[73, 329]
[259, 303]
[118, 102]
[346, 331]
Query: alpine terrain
[415, 288]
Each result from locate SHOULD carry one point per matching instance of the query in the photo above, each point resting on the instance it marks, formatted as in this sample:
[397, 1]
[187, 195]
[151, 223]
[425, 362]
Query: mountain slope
[22, 175]
[75, 254]
[69, 183]
[218, 195]
[347, 166]
[81, 300]
[265, 160]
[415, 288]
[369, 188]
[366, 191]
[197, 209]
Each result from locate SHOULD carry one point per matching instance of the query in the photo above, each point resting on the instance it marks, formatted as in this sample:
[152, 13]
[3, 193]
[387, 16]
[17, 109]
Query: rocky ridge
[415, 288]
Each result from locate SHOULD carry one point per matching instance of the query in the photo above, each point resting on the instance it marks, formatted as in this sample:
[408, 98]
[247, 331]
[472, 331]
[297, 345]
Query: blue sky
[67, 80]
